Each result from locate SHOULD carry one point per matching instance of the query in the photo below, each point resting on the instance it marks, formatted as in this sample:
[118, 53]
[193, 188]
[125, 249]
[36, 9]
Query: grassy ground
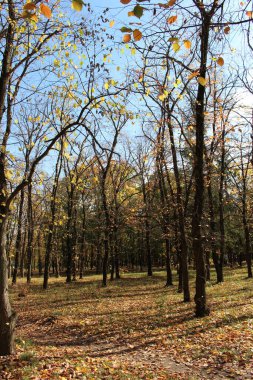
[133, 329]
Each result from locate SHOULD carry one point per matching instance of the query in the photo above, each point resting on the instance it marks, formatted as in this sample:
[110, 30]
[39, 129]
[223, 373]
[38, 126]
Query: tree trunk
[215, 255]
[180, 275]
[246, 232]
[180, 214]
[69, 236]
[147, 229]
[148, 249]
[73, 243]
[221, 209]
[105, 260]
[22, 259]
[98, 258]
[200, 295]
[7, 316]
[168, 266]
[116, 255]
[107, 228]
[30, 234]
[164, 204]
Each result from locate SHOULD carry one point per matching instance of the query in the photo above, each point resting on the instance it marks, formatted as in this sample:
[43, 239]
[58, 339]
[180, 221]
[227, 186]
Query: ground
[134, 329]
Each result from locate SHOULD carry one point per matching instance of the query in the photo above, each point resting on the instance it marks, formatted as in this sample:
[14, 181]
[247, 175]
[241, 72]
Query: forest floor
[133, 329]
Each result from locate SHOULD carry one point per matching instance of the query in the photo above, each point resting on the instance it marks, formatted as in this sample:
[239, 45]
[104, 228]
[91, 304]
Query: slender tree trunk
[246, 232]
[69, 236]
[208, 272]
[180, 274]
[57, 265]
[98, 258]
[105, 260]
[7, 316]
[73, 243]
[19, 238]
[30, 234]
[112, 265]
[22, 260]
[180, 214]
[168, 264]
[83, 245]
[51, 227]
[40, 265]
[247, 249]
[107, 229]
[141, 251]
[165, 213]
[116, 255]
[215, 256]
[148, 249]
[221, 209]
[147, 229]
[200, 295]
[48, 254]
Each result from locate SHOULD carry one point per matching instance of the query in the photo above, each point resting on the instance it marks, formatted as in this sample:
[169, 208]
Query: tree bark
[248, 253]
[180, 214]
[7, 316]
[221, 209]
[30, 234]
[52, 221]
[18, 238]
[200, 295]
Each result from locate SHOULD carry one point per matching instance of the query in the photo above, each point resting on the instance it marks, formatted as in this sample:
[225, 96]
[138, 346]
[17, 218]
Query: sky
[118, 13]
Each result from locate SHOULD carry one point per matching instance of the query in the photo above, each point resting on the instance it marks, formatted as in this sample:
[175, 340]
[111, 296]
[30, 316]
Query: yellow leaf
[130, 14]
[8, 174]
[106, 85]
[202, 81]
[127, 38]
[77, 5]
[45, 10]
[175, 47]
[172, 19]
[173, 39]
[220, 61]
[187, 44]
[137, 35]
[34, 18]
[133, 51]
[163, 96]
[112, 23]
[25, 14]
[56, 63]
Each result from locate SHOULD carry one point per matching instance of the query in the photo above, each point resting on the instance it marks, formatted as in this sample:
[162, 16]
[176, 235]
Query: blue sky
[118, 12]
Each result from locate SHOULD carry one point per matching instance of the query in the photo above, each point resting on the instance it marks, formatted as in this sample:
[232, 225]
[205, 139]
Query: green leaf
[124, 29]
[138, 11]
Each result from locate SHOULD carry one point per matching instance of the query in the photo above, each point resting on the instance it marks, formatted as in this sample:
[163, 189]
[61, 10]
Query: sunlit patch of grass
[28, 356]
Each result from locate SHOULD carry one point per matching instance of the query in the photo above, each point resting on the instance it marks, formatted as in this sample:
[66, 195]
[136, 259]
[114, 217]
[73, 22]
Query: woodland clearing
[134, 329]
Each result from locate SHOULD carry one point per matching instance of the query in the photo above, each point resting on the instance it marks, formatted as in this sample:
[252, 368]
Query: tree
[14, 71]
